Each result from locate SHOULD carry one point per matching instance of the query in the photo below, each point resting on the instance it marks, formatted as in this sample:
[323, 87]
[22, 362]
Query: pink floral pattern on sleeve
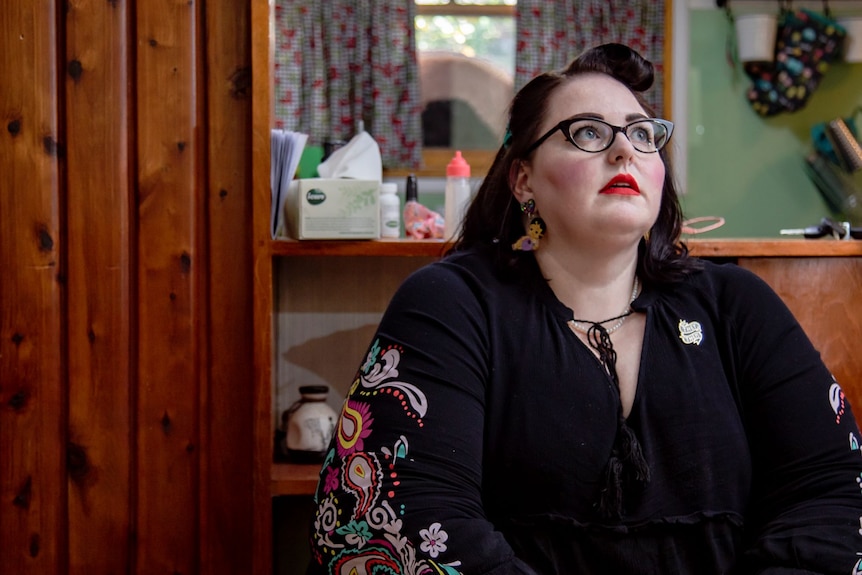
[358, 527]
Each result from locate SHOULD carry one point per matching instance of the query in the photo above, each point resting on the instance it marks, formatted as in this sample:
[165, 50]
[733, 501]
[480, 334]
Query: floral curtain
[552, 32]
[341, 61]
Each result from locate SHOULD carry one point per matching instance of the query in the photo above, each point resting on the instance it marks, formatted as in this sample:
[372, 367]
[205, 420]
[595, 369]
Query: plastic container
[457, 194]
[390, 211]
[755, 37]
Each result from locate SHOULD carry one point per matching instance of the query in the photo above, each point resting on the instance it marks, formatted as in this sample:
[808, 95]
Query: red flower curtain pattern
[341, 61]
[550, 34]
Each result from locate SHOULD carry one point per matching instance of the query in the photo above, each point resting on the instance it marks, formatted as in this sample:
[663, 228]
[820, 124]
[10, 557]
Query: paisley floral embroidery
[370, 539]
[354, 425]
[836, 399]
[362, 478]
[381, 373]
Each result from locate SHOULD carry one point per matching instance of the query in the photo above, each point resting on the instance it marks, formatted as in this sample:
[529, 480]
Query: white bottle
[457, 194]
[390, 211]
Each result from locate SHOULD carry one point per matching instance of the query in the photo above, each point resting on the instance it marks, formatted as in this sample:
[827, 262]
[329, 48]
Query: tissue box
[333, 209]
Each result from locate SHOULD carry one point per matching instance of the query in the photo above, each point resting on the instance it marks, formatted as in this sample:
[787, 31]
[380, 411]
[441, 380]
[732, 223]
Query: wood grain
[32, 370]
[171, 269]
[228, 513]
[100, 196]
[825, 295]
[262, 20]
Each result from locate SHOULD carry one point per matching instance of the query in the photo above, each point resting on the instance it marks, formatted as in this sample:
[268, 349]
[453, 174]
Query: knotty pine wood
[227, 528]
[169, 284]
[32, 270]
[126, 395]
[100, 203]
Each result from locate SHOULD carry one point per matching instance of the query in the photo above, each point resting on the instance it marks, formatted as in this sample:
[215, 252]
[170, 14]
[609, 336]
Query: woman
[569, 392]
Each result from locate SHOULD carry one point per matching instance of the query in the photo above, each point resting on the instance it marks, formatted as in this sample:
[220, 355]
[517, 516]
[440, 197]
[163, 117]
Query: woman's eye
[642, 135]
[586, 133]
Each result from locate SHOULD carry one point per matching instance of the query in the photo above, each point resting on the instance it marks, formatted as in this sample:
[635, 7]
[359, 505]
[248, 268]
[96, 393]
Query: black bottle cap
[412, 194]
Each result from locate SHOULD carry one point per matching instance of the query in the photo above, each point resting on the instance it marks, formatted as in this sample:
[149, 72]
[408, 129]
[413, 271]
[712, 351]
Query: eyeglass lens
[593, 135]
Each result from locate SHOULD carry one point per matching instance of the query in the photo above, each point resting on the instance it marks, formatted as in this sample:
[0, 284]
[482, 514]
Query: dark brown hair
[493, 220]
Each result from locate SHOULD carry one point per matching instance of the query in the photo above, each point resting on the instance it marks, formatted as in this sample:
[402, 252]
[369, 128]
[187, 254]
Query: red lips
[622, 184]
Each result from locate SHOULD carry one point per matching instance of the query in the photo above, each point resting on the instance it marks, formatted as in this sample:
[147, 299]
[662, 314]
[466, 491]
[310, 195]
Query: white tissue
[358, 159]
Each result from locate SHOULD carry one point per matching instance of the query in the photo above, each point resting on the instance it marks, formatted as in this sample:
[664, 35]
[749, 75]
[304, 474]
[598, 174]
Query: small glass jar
[308, 425]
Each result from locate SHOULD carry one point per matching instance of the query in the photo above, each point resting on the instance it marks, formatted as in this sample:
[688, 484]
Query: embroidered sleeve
[807, 495]
[400, 489]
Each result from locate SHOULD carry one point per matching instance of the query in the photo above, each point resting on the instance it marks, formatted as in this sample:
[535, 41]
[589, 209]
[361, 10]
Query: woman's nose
[621, 148]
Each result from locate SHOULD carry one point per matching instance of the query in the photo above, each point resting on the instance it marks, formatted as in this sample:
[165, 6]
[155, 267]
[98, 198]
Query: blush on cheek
[655, 174]
[568, 173]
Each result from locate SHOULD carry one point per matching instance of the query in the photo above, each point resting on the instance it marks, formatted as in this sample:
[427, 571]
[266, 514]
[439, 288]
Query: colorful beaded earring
[535, 229]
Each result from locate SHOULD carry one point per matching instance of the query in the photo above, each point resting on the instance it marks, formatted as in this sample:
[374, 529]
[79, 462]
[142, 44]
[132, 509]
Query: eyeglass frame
[566, 124]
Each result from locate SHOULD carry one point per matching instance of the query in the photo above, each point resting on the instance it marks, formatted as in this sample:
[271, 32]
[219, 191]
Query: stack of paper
[287, 149]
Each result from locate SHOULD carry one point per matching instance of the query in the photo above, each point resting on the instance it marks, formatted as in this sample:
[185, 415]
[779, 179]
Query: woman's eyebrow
[595, 116]
[587, 115]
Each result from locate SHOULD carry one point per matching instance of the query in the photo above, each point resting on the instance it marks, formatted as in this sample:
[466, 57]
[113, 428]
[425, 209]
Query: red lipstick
[622, 184]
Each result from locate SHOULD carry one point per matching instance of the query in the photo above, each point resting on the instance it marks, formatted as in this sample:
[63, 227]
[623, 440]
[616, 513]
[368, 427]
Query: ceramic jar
[309, 424]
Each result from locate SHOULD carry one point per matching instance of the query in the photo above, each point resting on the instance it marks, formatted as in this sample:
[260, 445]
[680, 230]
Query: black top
[477, 431]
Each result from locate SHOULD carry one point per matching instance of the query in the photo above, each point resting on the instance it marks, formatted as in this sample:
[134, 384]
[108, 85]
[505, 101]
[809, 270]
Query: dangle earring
[535, 229]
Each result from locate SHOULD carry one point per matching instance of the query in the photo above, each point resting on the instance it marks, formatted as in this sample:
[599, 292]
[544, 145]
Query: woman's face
[603, 197]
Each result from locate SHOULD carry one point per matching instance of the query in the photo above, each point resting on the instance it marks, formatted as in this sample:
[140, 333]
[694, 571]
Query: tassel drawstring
[627, 467]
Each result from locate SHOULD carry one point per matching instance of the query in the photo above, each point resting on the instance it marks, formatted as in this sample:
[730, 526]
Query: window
[466, 56]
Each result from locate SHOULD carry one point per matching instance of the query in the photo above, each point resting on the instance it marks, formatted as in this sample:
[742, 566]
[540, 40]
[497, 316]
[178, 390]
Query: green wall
[748, 169]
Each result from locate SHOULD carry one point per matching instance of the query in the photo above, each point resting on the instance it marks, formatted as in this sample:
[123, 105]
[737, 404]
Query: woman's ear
[519, 180]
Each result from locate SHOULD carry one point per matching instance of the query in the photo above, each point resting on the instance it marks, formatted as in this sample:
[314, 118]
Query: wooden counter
[753, 248]
[821, 283]
[722, 248]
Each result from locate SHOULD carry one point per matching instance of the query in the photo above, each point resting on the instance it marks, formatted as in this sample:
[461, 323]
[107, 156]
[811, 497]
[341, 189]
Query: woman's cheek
[570, 174]
[655, 175]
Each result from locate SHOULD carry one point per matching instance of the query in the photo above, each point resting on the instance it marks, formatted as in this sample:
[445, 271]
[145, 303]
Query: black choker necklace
[578, 324]
[599, 337]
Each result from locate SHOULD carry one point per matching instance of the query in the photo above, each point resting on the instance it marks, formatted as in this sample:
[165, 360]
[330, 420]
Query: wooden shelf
[294, 478]
[717, 248]
[768, 247]
[394, 247]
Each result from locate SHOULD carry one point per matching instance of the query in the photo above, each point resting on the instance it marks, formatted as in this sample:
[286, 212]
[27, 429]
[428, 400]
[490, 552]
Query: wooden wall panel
[825, 296]
[228, 515]
[32, 372]
[262, 26]
[170, 277]
[126, 400]
[96, 79]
